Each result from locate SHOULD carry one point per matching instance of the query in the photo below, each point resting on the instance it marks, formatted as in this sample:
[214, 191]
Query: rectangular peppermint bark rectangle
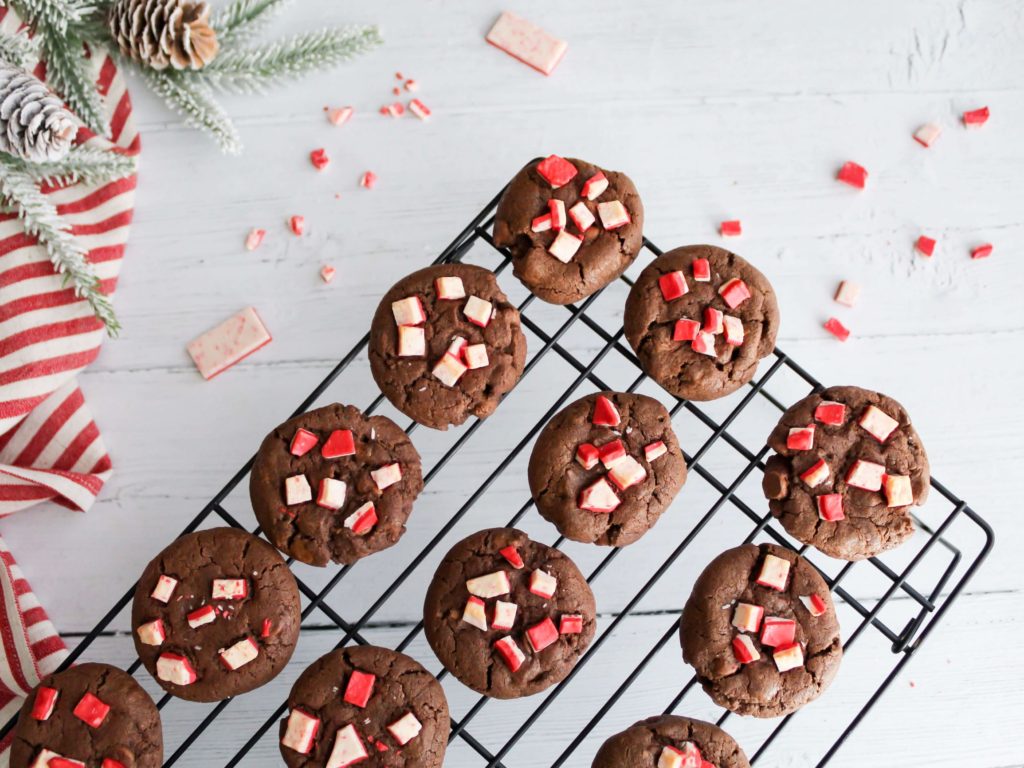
[231, 341]
[527, 42]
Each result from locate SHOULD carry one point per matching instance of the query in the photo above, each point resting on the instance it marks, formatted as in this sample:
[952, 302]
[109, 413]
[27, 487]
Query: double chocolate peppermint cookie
[366, 705]
[847, 470]
[572, 227]
[333, 484]
[700, 318]
[89, 715]
[506, 615]
[215, 614]
[760, 631]
[669, 741]
[605, 468]
[446, 344]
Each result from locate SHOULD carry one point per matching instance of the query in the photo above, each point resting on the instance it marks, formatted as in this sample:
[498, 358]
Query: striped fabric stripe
[50, 447]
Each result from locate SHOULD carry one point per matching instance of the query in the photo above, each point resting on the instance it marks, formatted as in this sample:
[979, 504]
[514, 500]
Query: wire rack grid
[949, 547]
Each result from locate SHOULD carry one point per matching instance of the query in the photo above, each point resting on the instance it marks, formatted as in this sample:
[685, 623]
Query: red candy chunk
[734, 292]
[627, 472]
[599, 497]
[898, 491]
[58, 762]
[828, 412]
[605, 413]
[229, 589]
[733, 330]
[976, 118]
[556, 171]
[266, 628]
[543, 584]
[837, 329]
[297, 224]
[564, 246]
[789, 657]
[412, 341]
[542, 635]
[511, 554]
[510, 653]
[319, 159]
[702, 270]
[594, 186]
[504, 615]
[405, 729]
[450, 288]
[611, 453]
[853, 174]
[359, 688]
[362, 520]
[348, 748]
[687, 756]
[747, 617]
[704, 344]
[731, 228]
[685, 330]
[830, 507]
[778, 632]
[587, 456]
[302, 441]
[865, 475]
[386, 476]
[201, 616]
[774, 572]
[713, 320]
[109, 762]
[45, 701]
[581, 216]
[570, 624]
[91, 711]
[300, 732]
[744, 650]
[478, 311]
[367, 180]
[541, 223]
[927, 134]
[673, 285]
[556, 210]
[655, 450]
[816, 474]
[800, 438]
[613, 215]
[982, 251]
[925, 245]
[815, 604]
[408, 311]
[421, 110]
[340, 115]
[340, 443]
[877, 423]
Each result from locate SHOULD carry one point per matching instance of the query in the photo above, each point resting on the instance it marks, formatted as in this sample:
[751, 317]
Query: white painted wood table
[717, 110]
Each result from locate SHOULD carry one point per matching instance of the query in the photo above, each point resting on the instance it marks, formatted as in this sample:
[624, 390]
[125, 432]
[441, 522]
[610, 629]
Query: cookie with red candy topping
[506, 615]
[848, 487]
[366, 705]
[446, 344]
[638, 468]
[682, 346]
[668, 741]
[88, 715]
[363, 474]
[215, 614]
[601, 238]
[760, 631]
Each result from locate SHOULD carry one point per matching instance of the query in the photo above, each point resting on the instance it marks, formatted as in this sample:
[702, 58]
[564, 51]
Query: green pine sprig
[83, 164]
[245, 16]
[18, 49]
[192, 99]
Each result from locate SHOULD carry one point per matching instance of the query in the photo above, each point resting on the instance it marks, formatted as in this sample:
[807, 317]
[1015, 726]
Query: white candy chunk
[527, 42]
[449, 288]
[476, 356]
[543, 584]
[613, 214]
[405, 729]
[164, 589]
[300, 732]
[504, 615]
[363, 519]
[478, 311]
[408, 311]
[687, 757]
[297, 490]
[581, 216]
[564, 246]
[865, 475]
[449, 370]
[240, 654]
[788, 657]
[332, 493]
[386, 476]
[43, 760]
[627, 472]
[747, 617]
[655, 451]
[412, 341]
[847, 294]
[599, 497]
[878, 423]
[201, 617]
[774, 572]
[348, 748]
[229, 589]
[475, 613]
[898, 491]
[152, 633]
[595, 186]
[489, 585]
[927, 134]
[704, 344]
[457, 347]
[230, 342]
[733, 330]
[176, 669]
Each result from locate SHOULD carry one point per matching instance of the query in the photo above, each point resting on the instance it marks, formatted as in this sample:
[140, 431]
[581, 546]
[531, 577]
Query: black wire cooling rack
[888, 605]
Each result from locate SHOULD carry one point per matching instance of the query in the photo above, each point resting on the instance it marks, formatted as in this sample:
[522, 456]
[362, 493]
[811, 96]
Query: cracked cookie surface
[640, 745]
[869, 525]
[400, 686]
[195, 561]
[650, 321]
[604, 254]
[408, 382]
[706, 632]
[557, 478]
[468, 652]
[315, 534]
[130, 731]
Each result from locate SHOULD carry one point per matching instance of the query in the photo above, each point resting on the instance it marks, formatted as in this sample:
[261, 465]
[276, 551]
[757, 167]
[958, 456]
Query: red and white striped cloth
[50, 448]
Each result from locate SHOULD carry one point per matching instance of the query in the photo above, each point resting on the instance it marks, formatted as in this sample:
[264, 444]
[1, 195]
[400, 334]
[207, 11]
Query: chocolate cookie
[848, 468]
[215, 614]
[445, 344]
[366, 705]
[700, 318]
[333, 484]
[506, 615]
[605, 468]
[88, 715]
[760, 631]
[572, 227]
[669, 740]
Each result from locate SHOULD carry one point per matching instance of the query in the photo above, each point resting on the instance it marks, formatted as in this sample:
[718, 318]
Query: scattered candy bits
[254, 239]
[319, 159]
[982, 251]
[847, 293]
[853, 174]
[927, 134]
[368, 179]
[327, 273]
[925, 245]
[339, 115]
[730, 228]
[297, 224]
[837, 329]
[976, 118]
[527, 42]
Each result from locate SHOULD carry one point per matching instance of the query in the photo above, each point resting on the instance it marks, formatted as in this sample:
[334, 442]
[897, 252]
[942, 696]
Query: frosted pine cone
[162, 33]
[34, 125]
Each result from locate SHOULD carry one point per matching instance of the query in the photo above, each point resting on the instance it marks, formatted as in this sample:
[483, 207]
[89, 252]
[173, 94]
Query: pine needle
[18, 49]
[250, 70]
[194, 101]
[86, 164]
[40, 218]
[248, 16]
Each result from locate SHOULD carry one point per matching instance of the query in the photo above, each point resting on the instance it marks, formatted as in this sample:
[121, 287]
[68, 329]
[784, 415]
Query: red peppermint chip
[557, 171]
[853, 174]
[976, 118]
[359, 688]
[925, 245]
[605, 413]
[302, 441]
[982, 251]
[837, 329]
[319, 159]
[340, 443]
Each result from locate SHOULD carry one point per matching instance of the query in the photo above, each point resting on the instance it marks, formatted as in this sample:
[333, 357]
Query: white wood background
[717, 110]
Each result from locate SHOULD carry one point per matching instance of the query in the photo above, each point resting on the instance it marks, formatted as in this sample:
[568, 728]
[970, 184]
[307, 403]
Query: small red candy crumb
[925, 245]
[511, 554]
[587, 455]
[327, 273]
[340, 443]
[297, 224]
[398, 76]
[396, 91]
[340, 116]
[837, 329]
[254, 239]
[319, 159]
[557, 171]
[730, 228]
[421, 110]
[570, 624]
[853, 174]
[411, 86]
[265, 629]
[976, 118]
[368, 179]
[982, 251]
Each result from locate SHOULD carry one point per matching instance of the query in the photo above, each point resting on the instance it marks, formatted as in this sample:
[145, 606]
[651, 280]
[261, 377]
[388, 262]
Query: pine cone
[34, 125]
[162, 33]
